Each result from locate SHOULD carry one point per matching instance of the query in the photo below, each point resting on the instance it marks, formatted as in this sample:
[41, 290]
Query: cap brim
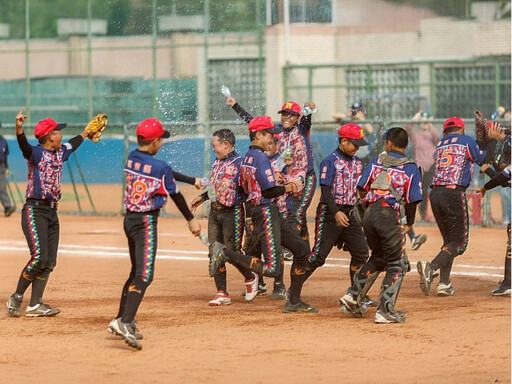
[60, 126]
[275, 130]
[359, 142]
[166, 134]
[289, 111]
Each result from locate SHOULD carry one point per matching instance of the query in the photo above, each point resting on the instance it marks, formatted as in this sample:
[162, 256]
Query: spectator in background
[357, 113]
[4, 171]
[424, 142]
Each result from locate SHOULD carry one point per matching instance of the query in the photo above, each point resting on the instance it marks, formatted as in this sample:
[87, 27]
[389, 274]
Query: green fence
[398, 90]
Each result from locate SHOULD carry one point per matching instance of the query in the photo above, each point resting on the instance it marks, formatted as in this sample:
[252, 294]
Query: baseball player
[226, 218]
[257, 178]
[39, 219]
[500, 176]
[148, 182]
[389, 182]
[455, 155]
[339, 174]
[295, 139]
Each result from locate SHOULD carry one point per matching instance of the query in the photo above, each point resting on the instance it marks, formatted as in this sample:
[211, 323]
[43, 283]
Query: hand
[194, 227]
[198, 184]
[198, 200]
[481, 190]
[279, 177]
[7, 171]
[291, 188]
[311, 104]
[484, 168]
[417, 116]
[20, 120]
[495, 132]
[341, 219]
[230, 100]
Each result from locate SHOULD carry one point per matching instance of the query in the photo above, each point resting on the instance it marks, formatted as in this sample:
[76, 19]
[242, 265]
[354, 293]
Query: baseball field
[464, 338]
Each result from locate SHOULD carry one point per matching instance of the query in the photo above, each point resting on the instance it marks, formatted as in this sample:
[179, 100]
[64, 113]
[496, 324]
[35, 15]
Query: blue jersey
[148, 182]
[405, 179]
[257, 175]
[341, 172]
[45, 172]
[225, 176]
[455, 155]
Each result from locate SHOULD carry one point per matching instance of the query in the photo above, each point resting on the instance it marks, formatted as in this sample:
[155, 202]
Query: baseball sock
[23, 283]
[38, 287]
[220, 281]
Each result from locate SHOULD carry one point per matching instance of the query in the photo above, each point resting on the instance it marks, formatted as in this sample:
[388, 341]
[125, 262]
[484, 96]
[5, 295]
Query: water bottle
[306, 111]
[225, 91]
[204, 239]
[281, 160]
[279, 163]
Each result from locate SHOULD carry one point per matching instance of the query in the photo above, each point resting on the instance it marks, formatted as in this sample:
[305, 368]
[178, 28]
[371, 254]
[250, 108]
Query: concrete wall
[183, 55]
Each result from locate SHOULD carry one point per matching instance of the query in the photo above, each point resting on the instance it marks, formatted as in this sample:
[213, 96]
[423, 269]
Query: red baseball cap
[264, 123]
[354, 133]
[291, 107]
[151, 129]
[46, 126]
[454, 122]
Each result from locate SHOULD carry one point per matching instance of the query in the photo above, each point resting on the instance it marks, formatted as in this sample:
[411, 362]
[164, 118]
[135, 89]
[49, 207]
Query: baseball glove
[481, 130]
[96, 127]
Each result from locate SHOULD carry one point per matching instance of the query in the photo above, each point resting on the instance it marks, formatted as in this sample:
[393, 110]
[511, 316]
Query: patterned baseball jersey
[225, 176]
[256, 175]
[148, 182]
[293, 142]
[455, 155]
[281, 200]
[341, 172]
[405, 179]
[45, 172]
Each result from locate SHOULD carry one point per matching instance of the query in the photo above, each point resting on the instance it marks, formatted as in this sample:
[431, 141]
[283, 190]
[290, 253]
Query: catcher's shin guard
[362, 284]
[389, 292]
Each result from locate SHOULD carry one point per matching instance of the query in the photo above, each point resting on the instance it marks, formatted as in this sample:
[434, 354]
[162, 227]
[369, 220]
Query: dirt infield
[464, 338]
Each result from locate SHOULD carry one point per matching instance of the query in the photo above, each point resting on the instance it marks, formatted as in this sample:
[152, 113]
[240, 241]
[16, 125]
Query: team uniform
[385, 235]
[148, 183]
[339, 174]
[226, 218]
[40, 222]
[256, 178]
[455, 155]
[296, 141]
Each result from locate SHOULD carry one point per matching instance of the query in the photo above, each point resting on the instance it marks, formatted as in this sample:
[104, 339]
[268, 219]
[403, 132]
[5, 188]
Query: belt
[39, 202]
[450, 186]
[382, 203]
[218, 207]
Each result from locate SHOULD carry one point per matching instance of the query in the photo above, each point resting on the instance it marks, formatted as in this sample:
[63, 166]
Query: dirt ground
[464, 338]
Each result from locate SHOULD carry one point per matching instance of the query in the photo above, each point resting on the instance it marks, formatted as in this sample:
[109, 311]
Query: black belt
[46, 203]
[218, 207]
[450, 186]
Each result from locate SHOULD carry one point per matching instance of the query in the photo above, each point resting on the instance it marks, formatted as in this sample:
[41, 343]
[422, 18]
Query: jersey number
[138, 192]
[447, 158]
